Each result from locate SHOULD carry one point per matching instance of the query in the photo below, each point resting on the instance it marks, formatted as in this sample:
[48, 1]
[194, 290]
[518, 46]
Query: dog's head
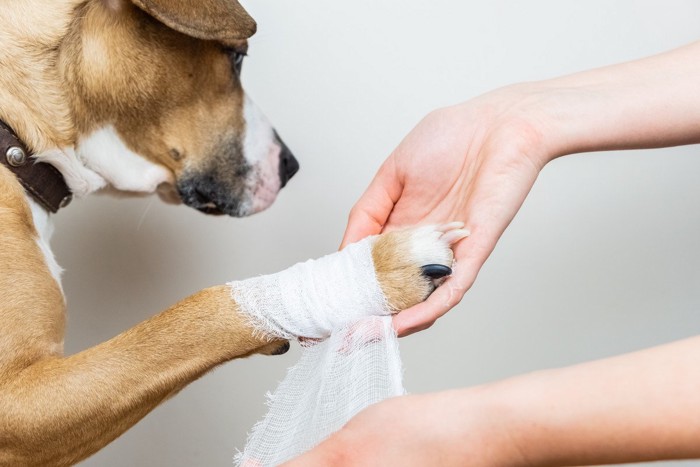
[157, 101]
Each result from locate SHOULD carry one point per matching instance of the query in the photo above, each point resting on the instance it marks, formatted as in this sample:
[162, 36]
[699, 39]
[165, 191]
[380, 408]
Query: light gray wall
[602, 259]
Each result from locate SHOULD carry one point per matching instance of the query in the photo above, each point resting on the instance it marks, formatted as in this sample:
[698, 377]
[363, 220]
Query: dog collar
[41, 180]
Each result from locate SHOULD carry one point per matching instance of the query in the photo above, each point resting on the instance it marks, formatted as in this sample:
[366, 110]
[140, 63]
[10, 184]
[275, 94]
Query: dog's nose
[436, 271]
[288, 163]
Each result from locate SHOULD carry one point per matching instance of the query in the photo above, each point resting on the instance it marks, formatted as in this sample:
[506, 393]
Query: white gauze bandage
[336, 297]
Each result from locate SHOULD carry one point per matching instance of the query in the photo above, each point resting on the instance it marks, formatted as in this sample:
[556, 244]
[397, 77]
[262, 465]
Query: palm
[456, 165]
[432, 178]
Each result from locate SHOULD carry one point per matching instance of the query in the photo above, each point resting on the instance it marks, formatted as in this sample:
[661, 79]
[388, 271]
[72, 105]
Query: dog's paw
[411, 263]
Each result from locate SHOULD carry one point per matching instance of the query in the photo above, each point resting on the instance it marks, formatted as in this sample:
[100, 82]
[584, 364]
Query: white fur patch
[428, 246]
[261, 151]
[44, 228]
[79, 178]
[104, 152]
[268, 181]
[259, 135]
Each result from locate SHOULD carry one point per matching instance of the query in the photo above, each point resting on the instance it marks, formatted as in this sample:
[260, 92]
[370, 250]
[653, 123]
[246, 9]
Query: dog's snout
[202, 195]
[288, 163]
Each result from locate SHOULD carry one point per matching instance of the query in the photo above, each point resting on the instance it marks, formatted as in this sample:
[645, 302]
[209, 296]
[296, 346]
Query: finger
[371, 211]
[468, 261]
[423, 315]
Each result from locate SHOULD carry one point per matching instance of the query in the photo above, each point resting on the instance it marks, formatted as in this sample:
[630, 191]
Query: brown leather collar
[41, 180]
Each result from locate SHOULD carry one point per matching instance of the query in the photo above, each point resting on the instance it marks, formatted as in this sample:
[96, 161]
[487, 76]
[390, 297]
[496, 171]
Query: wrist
[524, 117]
[552, 113]
[482, 424]
[641, 104]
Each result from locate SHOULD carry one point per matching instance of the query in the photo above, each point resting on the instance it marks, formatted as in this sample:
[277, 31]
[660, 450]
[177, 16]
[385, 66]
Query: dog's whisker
[143, 216]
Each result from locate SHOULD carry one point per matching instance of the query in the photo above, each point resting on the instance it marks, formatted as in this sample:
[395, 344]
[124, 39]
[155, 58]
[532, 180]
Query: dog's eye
[238, 62]
[236, 57]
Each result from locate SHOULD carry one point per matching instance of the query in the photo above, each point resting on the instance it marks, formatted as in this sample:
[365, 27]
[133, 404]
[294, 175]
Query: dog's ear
[221, 20]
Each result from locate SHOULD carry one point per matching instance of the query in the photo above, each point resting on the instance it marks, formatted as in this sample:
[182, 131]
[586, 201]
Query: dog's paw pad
[410, 263]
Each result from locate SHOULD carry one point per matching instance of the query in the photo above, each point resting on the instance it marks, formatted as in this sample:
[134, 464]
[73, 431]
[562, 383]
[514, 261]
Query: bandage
[336, 298]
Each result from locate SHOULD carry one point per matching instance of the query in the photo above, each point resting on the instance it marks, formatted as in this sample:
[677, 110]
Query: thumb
[371, 211]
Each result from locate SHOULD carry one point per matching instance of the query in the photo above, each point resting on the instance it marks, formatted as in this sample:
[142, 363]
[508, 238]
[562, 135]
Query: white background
[602, 258]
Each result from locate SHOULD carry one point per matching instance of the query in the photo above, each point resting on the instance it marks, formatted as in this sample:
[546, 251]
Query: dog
[135, 97]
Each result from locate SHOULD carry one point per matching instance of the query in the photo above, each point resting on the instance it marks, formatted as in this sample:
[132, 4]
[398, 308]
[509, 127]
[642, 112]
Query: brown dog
[136, 96]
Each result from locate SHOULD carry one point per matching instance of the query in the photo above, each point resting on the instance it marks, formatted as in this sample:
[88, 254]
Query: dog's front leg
[60, 410]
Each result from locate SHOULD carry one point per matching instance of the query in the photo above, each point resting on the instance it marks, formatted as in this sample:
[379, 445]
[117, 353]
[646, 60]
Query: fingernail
[436, 271]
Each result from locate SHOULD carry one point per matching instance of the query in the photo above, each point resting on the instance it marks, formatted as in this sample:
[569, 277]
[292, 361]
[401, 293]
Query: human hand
[631, 408]
[475, 163]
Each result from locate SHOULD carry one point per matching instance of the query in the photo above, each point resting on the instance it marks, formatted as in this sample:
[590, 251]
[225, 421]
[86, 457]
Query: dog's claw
[436, 271]
[449, 226]
[455, 235]
[282, 349]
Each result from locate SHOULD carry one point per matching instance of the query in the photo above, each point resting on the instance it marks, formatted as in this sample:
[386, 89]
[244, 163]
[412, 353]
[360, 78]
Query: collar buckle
[41, 180]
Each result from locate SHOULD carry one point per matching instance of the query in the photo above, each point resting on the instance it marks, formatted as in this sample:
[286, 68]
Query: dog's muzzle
[237, 192]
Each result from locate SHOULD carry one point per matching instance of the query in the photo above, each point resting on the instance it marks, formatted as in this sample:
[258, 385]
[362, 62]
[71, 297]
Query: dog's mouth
[239, 190]
[240, 197]
[211, 209]
[217, 200]
[171, 195]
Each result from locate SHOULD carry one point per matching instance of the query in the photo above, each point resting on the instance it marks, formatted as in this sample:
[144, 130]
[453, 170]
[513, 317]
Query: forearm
[636, 407]
[651, 102]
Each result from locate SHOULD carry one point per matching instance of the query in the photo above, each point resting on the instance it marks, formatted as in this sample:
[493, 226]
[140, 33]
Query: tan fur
[399, 276]
[31, 94]
[165, 93]
[78, 65]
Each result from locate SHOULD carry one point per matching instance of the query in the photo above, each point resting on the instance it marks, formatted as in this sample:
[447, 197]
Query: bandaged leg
[346, 299]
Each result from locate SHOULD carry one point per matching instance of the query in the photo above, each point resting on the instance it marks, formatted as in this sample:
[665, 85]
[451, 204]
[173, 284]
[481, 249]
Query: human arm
[477, 161]
[636, 407]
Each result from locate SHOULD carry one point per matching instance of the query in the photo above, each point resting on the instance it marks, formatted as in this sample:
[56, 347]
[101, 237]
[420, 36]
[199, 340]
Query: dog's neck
[129, 172]
[45, 190]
